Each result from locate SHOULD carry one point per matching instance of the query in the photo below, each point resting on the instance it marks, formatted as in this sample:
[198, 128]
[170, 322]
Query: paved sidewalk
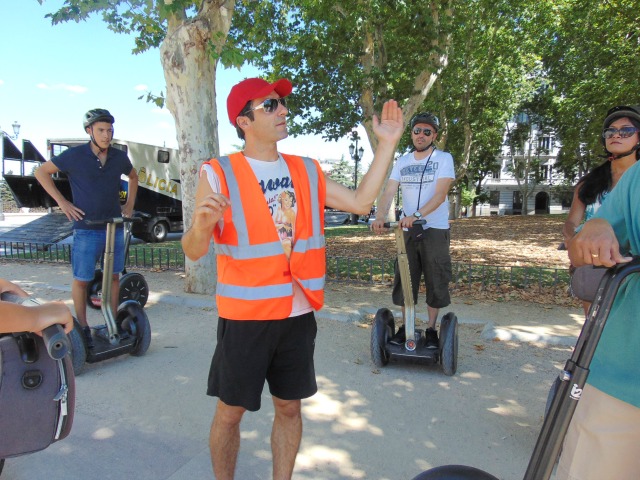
[148, 417]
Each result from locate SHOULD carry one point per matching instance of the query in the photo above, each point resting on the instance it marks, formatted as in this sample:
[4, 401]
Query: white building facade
[507, 195]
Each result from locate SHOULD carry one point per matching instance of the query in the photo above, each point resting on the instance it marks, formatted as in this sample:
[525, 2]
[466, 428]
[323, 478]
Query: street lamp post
[356, 155]
[16, 129]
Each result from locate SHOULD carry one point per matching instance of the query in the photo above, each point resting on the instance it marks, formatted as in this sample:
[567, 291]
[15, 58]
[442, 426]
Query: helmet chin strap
[612, 156]
[93, 140]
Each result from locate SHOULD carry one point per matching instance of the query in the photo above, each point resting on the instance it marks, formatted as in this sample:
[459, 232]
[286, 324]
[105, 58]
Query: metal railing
[339, 269]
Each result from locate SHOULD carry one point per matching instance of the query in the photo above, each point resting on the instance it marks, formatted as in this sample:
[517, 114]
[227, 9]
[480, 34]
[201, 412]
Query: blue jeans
[88, 246]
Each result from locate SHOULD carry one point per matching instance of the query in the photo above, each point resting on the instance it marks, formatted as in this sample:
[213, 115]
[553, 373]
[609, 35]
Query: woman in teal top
[603, 441]
[592, 190]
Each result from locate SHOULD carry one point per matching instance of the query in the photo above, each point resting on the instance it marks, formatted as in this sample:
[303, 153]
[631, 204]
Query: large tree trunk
[190, 74]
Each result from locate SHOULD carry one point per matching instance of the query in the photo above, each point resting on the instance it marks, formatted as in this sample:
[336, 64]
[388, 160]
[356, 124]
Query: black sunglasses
[624, 132]
[270, 105]
[427, 131]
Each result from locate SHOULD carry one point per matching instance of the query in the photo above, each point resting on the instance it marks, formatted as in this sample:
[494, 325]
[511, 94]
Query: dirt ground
[509, 240]
[530, 241]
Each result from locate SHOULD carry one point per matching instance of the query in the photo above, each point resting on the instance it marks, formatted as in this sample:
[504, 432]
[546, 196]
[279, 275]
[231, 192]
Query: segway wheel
[133, 286]
[94, 291]
[78, 348]
[132, 319]
[455, 472]
[382, 330]
[449, 344]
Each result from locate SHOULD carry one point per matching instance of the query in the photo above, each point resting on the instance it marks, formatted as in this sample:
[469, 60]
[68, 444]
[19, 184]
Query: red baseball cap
[253, 88]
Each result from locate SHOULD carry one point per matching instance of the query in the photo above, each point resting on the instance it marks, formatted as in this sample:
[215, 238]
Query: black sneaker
[399, 338]
[431, 338]
[87, 336]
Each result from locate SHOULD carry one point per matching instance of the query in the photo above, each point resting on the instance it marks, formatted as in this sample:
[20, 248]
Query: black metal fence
[339, 269]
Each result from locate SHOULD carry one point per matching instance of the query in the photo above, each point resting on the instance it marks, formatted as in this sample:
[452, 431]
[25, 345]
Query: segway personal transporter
[414, 348]
[569, 389]
[126, 332]
[133, 286]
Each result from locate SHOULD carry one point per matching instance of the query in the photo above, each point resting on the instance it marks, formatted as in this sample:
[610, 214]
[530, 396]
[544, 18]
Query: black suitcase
[37, 390]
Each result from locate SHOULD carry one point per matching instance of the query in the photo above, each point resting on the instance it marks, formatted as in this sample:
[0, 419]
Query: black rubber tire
[78, 348]
[382, 330]
[158, 232]
[455, 472]
[133, 286]
[94, 291]
[449, 344]
[132, 319]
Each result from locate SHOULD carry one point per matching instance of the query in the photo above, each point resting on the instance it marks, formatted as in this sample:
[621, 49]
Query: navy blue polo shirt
[95, 187]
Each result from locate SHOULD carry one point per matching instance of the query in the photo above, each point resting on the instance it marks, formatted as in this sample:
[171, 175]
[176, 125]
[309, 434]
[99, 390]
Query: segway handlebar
[420, 221]
[113, 220]
[56, 341]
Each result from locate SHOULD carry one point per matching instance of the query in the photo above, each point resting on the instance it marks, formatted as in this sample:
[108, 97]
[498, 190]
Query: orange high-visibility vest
[255, 278]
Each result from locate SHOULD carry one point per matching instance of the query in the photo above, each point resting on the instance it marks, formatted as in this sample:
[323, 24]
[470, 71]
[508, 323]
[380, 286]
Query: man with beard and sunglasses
[270, 266]
[425, 175]
[94, 170]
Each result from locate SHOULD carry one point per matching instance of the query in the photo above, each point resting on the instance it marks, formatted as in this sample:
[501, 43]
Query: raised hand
[390, 126]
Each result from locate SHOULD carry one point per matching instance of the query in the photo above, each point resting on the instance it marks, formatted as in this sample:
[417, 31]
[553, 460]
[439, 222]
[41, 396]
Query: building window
[517, 201]
[494, 199]
[495, 173]
[163, 156]
[544, 144]
[545, 172]
[121, 146]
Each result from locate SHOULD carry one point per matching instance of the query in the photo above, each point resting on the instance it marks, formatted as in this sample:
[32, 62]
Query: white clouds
[63, 86]
[1, 82]
[141, 88]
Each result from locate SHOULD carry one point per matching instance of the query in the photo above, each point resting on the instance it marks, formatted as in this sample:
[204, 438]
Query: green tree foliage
[346, 58]
[342, 172]
[590, 52]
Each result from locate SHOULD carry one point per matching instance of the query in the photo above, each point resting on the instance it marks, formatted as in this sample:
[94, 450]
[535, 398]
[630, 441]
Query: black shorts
[249, 352]
[429, 257]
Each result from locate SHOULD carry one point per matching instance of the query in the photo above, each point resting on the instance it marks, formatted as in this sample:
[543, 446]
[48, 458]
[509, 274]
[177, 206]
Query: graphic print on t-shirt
[412, 175]
[281, 199]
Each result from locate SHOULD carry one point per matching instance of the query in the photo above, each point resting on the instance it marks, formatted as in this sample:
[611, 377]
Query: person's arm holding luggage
[20, 318]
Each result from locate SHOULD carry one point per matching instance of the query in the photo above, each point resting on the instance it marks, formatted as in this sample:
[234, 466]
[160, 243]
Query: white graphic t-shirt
[277, 187]
[418, 180]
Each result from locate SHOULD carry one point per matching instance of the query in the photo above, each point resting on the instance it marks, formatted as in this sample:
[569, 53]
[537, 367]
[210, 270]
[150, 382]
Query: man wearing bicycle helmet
[94, 170]
[425, 175]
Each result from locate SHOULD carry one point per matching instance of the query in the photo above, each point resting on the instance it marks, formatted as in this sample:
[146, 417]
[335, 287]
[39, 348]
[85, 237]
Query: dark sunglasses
[624, 132]
[427, 131]
[270, 105]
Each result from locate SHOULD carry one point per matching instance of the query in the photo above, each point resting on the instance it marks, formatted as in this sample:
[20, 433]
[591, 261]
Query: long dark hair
[595, 183]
